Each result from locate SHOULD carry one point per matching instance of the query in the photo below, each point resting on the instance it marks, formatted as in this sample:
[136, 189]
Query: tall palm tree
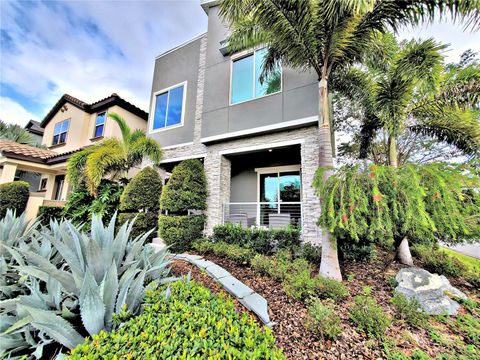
[410, 90]
[406, 88]
[325, 35]
[112, 157]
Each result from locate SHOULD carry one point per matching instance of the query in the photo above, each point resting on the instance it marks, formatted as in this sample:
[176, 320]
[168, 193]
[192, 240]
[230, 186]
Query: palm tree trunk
[403, 250]
[329, 266]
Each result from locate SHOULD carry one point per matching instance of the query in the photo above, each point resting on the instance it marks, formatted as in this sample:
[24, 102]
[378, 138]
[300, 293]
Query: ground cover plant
[75, 282]
[185, 320]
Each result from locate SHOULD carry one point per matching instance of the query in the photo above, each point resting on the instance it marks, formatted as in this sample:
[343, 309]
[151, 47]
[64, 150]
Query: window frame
[95, 125]
[66, 133]
[40, 185]
[154, 106]
[240, 56]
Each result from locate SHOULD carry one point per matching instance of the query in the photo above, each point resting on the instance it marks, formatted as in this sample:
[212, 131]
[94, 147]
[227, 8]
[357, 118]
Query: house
[69, 126]
[36, 130]
[259, 142]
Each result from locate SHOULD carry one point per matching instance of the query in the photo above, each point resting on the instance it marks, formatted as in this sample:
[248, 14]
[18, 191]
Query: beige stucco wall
[77, 129]
[135, 122]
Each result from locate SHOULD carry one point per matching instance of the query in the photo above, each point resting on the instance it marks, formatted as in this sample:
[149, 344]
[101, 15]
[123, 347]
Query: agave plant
[100, 274]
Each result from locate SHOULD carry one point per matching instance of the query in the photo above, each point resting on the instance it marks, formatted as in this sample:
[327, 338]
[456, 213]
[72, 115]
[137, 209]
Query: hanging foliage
[425, 203]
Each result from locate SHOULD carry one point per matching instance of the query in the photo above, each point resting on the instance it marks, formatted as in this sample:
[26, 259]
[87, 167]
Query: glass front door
[280, 194]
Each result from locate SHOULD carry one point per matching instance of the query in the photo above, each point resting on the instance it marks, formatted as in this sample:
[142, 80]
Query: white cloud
[14, 113]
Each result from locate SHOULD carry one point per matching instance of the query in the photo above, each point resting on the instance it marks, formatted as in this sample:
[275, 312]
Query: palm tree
[16, 133]
[325, 35]
[406, 89]
[112, 157]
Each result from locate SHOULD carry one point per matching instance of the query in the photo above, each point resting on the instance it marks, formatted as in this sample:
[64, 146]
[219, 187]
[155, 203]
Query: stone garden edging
[246, 296]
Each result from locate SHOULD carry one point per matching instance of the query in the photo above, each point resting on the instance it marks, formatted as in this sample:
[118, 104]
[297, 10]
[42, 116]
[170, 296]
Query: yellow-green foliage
[423, 202]
[190, 323]
[230, 251]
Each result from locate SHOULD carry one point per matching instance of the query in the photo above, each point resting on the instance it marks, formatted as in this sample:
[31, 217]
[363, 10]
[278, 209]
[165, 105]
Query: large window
[169, 107]
[60, 132]
[246, 83]
[99, 124]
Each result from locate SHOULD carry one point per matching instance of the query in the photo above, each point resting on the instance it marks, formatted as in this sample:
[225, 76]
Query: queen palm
[112, 157]
[322, 36]
[406, 88]
[16, 133]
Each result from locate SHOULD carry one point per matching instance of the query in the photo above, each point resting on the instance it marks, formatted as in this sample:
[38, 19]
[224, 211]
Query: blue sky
[90, 49]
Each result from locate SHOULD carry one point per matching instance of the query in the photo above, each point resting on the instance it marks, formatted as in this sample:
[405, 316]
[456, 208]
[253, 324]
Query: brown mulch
[290, 315]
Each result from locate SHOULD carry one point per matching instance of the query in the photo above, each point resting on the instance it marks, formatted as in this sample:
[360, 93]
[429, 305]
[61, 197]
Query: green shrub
[142, 192]
[13, 195]
[368, 315]
[331, 289]
[361, 251]
[323, 320]
[179, 231]
[230, 251]
[186, 189]
[144, 222]
[46, 213]
[259, 240]
[301, 285]
[310, 252]
[439, 262]
[81, 205]
[470, 327]
[409, 310]
[190, 323]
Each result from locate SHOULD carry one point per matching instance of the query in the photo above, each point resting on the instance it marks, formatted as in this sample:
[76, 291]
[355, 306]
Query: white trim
[277, 169]
[262, 146]
[260, 129]
[181, 158]
[154, 105]
[244, 54]
[180, 46]
[177, 145]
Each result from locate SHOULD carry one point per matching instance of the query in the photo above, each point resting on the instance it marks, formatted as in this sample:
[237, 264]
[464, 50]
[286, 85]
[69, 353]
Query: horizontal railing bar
[265, 203]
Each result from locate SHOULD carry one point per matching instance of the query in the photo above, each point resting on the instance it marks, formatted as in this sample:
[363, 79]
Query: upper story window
[100, 124]
[60, 132]
[169, 107]
[246, 78]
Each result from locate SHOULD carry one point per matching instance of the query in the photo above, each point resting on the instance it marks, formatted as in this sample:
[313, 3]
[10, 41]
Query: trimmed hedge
[186, 189]
[14, 195]
[189, 323]
[144, 223]
[179, 231]
[262, 241]
[142, 192]
[49, 212]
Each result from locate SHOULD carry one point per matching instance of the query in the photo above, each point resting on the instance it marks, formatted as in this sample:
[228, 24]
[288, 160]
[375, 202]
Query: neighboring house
[35, 128]
[70, 126]
[258, 142]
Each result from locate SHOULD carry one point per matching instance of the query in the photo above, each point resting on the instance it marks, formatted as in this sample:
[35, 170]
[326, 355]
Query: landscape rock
[432, 291]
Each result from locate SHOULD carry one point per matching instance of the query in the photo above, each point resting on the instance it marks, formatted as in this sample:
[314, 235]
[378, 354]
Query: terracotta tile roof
[25, 150]
[15, 150]
[100, 105]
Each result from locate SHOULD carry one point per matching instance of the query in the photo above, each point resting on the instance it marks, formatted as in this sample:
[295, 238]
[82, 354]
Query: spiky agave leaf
[110, 290]
[92, 308]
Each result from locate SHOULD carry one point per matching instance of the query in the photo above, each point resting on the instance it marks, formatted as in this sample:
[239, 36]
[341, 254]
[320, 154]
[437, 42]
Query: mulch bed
[290, 315]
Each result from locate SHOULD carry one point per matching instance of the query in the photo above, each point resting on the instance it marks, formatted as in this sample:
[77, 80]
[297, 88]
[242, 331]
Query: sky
[91, 49]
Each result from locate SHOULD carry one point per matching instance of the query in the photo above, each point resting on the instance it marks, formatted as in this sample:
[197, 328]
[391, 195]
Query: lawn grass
[470, 262]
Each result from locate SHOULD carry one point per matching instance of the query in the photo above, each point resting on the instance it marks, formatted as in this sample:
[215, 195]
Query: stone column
[310, 201]
[8, 173]
[218, 172]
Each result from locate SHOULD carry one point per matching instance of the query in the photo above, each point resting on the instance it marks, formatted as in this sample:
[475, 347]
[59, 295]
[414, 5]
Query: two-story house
[258, 141]
[69, 126]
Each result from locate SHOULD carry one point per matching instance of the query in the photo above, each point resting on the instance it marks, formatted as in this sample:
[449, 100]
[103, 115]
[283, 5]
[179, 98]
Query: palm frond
[76, 166]
[145, 147]
[122, 124]
[104, 160]
[455, 127]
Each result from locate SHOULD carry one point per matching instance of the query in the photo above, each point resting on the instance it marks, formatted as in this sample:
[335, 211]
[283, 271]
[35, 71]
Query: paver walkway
[245, 295]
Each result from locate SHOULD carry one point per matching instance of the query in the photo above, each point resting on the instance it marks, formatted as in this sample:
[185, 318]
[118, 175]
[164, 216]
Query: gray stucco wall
[173, 68]
[297, 100]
